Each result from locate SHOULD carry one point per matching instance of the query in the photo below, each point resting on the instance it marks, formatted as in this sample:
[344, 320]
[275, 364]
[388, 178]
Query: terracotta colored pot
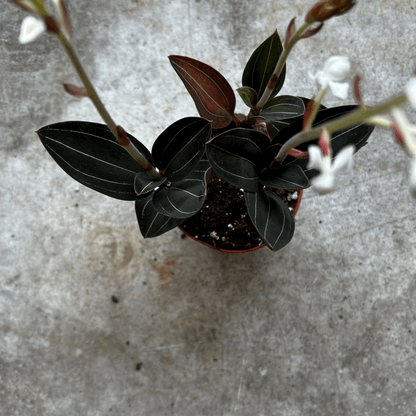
[237, 251]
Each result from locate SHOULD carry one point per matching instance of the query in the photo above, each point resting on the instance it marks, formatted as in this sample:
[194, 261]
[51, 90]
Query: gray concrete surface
[326, 326]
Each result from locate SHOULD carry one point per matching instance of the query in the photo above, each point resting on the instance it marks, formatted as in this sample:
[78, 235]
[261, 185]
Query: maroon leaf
[213, 96]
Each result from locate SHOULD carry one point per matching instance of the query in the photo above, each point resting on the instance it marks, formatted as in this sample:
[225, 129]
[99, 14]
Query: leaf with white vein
[271, 217]
[90, 154]
[179, 148]
[284, 107]
[355, 135]
[285, 177]
[261, 65]
[213, 96]
[151, 222]
[237, 157]
[143, 183]
[185, 198]
[248, 95]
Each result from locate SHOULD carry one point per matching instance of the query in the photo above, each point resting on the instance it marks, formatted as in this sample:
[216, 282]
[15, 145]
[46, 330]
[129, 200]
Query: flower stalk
[92, 94]
[281, 63]
[87, 83]
[358, 116]
[315, 107]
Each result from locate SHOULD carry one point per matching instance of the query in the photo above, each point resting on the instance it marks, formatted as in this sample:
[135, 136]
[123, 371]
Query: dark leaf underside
[213, 96]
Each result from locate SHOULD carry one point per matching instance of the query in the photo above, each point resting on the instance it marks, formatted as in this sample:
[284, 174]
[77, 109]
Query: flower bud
[326, 9]
[324, 142]
[51, 25]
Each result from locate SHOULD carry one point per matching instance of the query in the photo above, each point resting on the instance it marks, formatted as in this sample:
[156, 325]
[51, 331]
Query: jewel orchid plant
[283, 142]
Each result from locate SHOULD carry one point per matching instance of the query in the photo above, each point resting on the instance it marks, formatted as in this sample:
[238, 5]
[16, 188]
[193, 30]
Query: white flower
[31, 29]
[411, 92]
[334, 74]
[325, 182]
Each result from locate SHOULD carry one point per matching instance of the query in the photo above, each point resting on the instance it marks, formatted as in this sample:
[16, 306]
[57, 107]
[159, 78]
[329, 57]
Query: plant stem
[92, 94]
[281, 63]
[87, 84]
[356, 117]
[315, 108]
[40, 7]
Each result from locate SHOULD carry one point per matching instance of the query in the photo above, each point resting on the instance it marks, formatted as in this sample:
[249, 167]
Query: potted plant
[222, 174]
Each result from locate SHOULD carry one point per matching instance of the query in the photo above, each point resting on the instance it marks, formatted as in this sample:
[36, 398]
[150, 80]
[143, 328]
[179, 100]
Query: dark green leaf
[177, 151]
[271, 217]
[185, 198]
[280, 112]
[201, 172]
[144, 184]
[284, 107]
[151, 222]
[248, 95]
[237, 157]
[285, 177]
[90, 154]
[213, 96]
[275, 126]
[261, 65]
